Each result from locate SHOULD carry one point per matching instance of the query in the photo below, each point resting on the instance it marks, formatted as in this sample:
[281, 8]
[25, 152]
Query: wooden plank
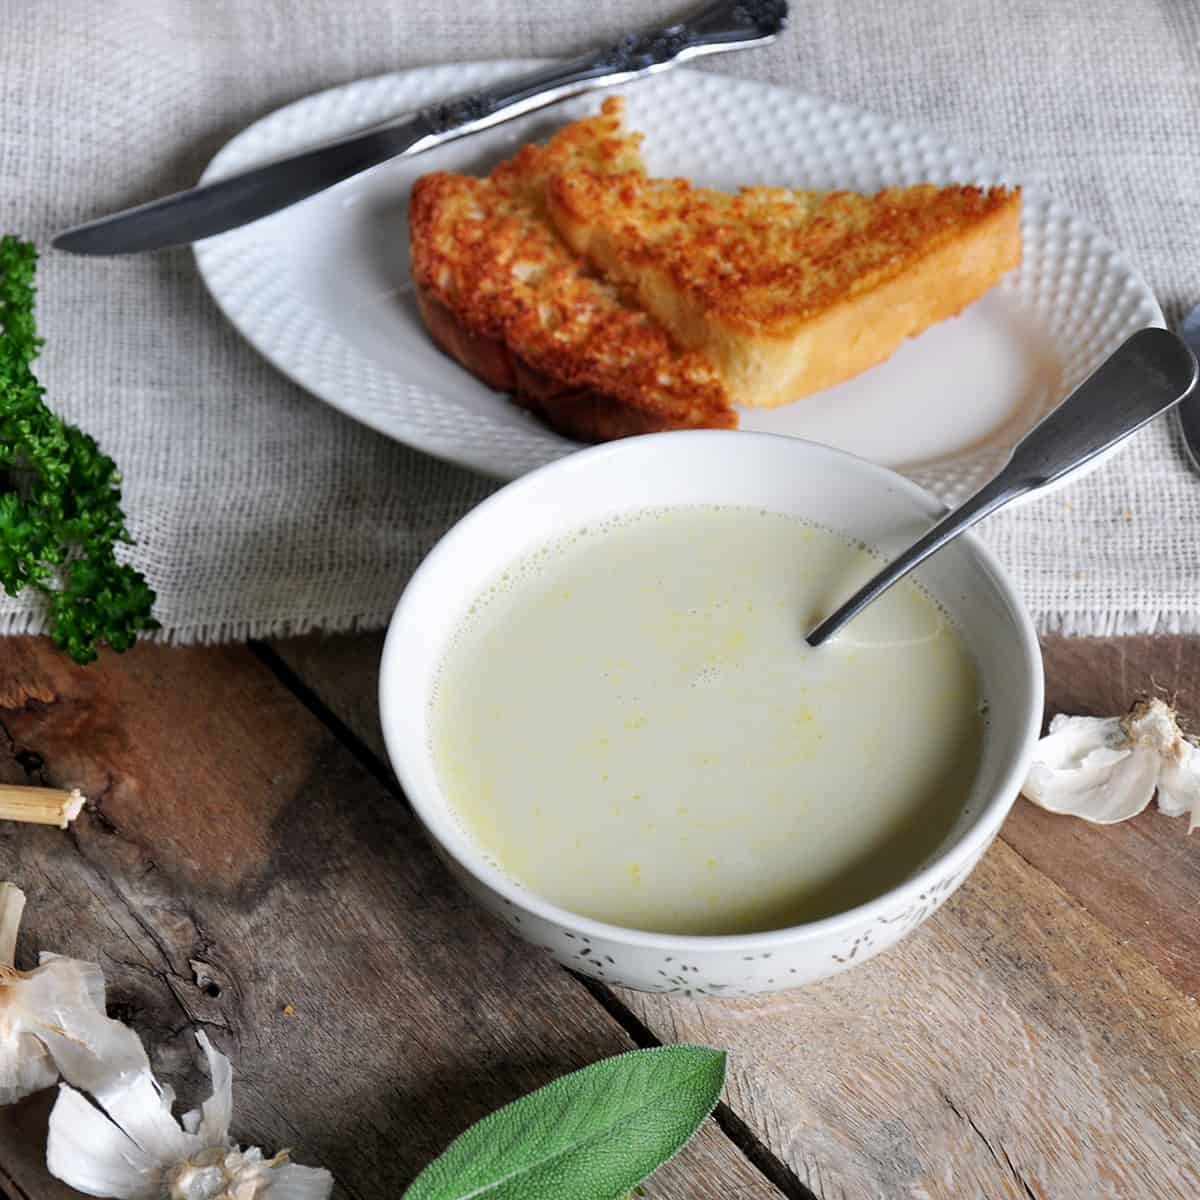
[351, 692]
[22, 1139]
[235, 863]
[1017, 1045]
[1011, 1047]
[1140, 878]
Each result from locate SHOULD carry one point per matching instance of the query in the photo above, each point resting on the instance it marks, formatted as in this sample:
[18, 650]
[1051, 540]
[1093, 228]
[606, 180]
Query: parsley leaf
[60, 495]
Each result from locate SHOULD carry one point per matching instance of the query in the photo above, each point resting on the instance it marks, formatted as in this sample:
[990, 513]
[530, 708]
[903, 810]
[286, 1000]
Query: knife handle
[224, 204]
[724, 25]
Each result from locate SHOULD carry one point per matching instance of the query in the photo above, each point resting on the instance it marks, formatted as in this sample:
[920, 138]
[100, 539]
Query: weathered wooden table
[246, 864]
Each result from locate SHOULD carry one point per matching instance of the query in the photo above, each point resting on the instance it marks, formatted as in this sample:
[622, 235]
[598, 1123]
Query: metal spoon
[1144, 377]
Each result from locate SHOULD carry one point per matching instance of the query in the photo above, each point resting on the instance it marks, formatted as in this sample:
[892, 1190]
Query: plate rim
[478, 459]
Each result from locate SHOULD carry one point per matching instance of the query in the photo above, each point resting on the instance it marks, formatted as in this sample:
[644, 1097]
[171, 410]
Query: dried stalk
[42, 806]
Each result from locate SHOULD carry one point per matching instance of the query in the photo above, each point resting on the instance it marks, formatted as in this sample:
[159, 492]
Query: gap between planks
[396, 968]
[735, 1129]
[10, 1189]
[756, 1152]
[1093, 879]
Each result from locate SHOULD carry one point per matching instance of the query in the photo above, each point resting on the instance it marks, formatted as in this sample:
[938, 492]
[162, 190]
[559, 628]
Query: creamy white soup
[630, 724]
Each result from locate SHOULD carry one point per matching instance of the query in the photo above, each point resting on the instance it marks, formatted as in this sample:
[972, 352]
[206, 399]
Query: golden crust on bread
[501, 292]
[789, 292]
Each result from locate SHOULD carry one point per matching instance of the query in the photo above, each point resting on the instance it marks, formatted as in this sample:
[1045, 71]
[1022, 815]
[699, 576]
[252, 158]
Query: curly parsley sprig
[60, 495]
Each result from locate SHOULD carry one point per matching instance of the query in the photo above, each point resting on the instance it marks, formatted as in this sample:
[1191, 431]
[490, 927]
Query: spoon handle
[1148, 374]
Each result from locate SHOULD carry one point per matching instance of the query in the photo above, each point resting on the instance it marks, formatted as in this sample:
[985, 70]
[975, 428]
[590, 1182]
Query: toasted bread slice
[789, 292]
[500, 292]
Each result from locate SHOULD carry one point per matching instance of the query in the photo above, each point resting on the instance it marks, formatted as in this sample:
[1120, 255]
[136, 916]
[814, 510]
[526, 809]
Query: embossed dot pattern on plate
[321, 289]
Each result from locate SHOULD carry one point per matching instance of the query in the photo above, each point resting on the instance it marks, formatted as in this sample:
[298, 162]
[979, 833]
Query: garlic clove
[1085, 767]
[1179, 788]
[1104, 794]
[143, 1112]
[1073, 740]
[52, 1018]
[1153, 723]
[92, 978]
[290, 1181]
[246, 1175]
[1103, 757]
[62, 1003]
[125, 1145]
[92, 1155]
[25, 1067]
[53, 1022]
[139, 1150]
[1100, 730]
[1106, 769]
[211, 1123]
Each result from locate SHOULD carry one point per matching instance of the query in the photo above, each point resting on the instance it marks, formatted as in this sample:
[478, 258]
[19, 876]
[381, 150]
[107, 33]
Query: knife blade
[1189, 409]
[225, 204]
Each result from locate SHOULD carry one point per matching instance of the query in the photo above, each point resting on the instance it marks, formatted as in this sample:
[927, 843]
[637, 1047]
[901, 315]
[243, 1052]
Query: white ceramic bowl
[765, 471]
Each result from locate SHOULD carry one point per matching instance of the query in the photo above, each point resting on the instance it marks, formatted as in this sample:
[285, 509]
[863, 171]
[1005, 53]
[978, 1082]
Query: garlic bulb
[132, 1148]
[52, 1019]
[1106, 769]
[25, 1066]
[52, 1023]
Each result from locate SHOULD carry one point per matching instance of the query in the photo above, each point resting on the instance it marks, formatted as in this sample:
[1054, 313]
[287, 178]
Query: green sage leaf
[591, 1135]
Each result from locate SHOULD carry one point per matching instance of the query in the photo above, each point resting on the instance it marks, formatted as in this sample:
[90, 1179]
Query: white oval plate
[322, 289]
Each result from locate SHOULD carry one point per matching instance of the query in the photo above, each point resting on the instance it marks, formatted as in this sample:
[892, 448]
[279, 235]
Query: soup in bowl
[597, 695]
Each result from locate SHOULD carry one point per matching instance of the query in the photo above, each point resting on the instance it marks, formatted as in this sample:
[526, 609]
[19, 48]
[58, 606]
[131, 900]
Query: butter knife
[214, 208]
[1189, 410]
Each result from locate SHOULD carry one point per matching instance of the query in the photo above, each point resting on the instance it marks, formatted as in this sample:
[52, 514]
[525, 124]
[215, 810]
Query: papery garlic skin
[1179, 789]
[127, 1145]
[1107, 769]
[89, 1153]
[89, 1049]
[52, 1019]
[135, 1149]
[246, 1175]
[25, 1067]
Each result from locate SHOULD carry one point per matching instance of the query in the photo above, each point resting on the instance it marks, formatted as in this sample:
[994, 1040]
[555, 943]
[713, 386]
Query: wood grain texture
[1011, 1047]
[1140, 878]
[1034, 1039]
[350, 690]
[233, 860]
